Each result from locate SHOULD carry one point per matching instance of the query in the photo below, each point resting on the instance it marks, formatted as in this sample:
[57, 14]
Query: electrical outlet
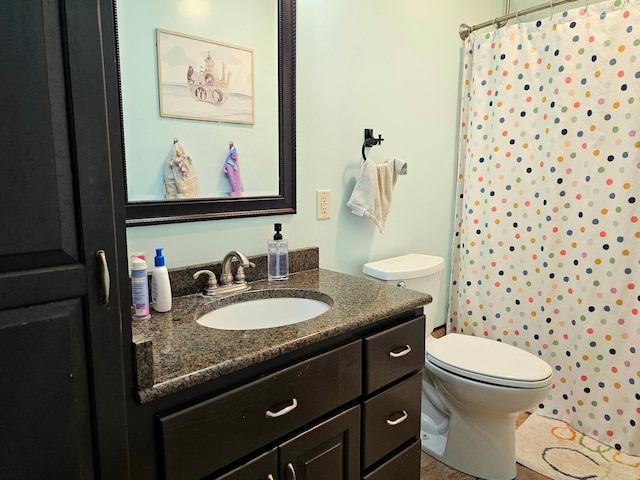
[323, 204]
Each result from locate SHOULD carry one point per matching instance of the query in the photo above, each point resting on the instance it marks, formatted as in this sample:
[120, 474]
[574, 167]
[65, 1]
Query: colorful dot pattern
[547, 235]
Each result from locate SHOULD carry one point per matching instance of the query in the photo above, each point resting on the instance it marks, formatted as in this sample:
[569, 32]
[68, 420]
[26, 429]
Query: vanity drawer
[391, 418]
[391, 354]
[207, 436]
[403, 466]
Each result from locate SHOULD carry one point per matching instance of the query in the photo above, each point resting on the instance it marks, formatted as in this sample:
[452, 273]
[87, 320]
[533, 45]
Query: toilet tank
[415, 271]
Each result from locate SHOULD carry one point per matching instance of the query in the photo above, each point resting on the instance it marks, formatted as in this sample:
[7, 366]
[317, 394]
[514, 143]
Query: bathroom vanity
[337, 396]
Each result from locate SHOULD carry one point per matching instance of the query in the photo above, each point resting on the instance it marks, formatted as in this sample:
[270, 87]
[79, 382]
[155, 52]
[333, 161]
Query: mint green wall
[388, 65]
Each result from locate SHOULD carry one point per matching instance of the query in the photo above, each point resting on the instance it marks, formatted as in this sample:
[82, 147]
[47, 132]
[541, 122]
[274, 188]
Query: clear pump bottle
[278, 256]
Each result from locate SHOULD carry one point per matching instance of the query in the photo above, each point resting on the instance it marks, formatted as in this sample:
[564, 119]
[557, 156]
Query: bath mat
[553, 448]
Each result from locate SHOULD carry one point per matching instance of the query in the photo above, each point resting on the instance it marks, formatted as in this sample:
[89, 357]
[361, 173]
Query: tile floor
[432, 469]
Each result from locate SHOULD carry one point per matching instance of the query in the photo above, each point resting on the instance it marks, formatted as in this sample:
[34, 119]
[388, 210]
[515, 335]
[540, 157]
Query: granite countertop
[173, 352]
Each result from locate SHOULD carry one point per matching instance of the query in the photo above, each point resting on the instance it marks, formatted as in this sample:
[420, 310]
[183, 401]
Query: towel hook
[175, 140]
[370, 141]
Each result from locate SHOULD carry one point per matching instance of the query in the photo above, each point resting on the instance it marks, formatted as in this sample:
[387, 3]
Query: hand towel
[372, 194]
[232, 169]
[180, 180]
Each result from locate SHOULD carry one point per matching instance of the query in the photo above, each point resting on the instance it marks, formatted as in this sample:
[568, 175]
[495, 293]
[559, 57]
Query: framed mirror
[207, 102]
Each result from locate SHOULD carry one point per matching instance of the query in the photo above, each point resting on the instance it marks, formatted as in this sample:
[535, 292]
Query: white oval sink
[258, 313]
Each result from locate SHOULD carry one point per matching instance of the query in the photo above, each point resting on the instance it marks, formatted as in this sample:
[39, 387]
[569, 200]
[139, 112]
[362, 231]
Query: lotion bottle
[139, 288]
[278, 256]
[160, 285]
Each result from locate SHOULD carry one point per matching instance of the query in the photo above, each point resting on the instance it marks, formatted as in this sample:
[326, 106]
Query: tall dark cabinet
[62, 246]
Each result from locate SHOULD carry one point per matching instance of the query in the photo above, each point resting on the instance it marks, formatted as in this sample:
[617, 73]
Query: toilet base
[433, 444]
[484, 450]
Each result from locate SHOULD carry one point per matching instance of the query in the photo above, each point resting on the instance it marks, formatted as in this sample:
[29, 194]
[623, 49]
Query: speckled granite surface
[182, 282]
[173, 352]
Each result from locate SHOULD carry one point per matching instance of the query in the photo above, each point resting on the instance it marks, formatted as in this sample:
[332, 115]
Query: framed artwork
[201, 79]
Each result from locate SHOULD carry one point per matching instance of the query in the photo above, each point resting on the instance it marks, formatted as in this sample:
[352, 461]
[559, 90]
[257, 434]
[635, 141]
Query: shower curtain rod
[465, 30]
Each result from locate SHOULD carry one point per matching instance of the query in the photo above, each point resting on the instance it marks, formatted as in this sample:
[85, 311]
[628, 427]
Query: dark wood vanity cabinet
[350, 413]
[62, 270]
[329, 450]
[214, 433]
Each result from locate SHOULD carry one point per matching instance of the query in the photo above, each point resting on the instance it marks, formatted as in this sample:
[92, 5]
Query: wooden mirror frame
[176, 211]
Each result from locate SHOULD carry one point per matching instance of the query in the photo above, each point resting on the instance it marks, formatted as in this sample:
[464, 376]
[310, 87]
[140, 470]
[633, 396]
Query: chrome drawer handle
[398, 421]
[270, 477]
[406, 351]
[292, 470]
[284, 411]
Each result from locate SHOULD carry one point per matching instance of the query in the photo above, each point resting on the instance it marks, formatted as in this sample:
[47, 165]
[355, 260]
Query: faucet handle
[240, 276]
[212, 283]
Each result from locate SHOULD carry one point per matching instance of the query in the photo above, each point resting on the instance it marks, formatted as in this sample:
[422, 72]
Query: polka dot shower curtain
[547, 235]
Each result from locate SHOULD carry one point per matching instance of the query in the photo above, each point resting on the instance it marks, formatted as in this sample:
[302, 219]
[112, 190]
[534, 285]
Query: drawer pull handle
[284, 411]
[405, 351]
[292, 470]
[398, 421]
[270, 477]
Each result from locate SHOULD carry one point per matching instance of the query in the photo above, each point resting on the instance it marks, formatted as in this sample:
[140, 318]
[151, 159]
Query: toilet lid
[489, 361]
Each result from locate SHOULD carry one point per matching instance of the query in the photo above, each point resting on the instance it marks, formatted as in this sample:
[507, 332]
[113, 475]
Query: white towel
[371, 196]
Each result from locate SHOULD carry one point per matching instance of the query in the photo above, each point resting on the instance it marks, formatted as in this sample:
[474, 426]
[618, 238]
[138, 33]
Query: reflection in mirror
[208, 108]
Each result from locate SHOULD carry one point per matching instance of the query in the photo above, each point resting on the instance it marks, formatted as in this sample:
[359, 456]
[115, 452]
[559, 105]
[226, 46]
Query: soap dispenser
[278, 256]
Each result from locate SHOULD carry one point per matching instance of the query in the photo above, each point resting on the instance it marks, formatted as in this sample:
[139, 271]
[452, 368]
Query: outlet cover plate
[323, 204]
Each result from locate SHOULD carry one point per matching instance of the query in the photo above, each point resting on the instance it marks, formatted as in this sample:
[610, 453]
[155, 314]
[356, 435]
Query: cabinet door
[265, 467]
[329, 451]
[62, 408]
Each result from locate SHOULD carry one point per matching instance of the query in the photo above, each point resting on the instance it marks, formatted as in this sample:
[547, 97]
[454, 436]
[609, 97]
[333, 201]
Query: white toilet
[473, 388]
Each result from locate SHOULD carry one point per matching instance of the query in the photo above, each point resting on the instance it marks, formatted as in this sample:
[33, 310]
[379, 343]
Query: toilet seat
[489, 361]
